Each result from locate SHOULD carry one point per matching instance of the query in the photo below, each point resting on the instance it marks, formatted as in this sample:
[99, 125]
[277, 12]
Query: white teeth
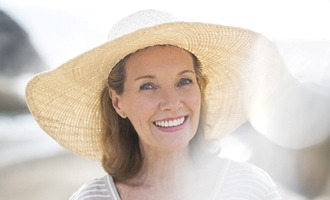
[171, 123]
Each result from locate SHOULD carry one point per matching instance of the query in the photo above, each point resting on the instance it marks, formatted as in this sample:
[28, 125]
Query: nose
[171, 100]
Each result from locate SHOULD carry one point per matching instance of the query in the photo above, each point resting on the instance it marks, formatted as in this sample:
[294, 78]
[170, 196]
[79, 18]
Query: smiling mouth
[170, 123]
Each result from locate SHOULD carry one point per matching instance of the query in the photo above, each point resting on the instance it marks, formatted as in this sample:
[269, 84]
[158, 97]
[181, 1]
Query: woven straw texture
[242, 66]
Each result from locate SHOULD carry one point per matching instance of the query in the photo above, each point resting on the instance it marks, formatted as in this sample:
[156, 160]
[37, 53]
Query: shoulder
[97, 189]
[245, 179]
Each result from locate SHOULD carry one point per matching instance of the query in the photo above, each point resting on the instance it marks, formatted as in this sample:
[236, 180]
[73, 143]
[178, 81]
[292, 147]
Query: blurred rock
[304, 172]
[295, 117]
[17, 57]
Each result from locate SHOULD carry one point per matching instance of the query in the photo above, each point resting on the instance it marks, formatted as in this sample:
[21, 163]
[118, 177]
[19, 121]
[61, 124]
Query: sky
[276, 18]
[78, 25]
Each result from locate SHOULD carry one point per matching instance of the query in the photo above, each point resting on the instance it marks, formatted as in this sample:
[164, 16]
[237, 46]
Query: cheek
[194, 99]
[140, 109]
[195, 103]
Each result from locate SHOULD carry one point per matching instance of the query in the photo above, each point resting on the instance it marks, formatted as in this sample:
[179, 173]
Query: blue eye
[147, 86]
[184, 81]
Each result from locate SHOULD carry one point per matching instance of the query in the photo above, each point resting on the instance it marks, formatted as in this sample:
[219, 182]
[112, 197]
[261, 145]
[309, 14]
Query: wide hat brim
[241, 66]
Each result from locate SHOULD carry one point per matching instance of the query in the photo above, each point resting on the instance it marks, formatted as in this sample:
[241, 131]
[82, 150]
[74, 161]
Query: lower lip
[172, 129]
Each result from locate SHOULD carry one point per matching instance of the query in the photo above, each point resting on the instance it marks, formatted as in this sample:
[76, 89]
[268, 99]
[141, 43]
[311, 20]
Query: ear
[116, 102]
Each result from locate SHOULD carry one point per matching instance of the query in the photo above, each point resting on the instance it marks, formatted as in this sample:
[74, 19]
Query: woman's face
[161, 97]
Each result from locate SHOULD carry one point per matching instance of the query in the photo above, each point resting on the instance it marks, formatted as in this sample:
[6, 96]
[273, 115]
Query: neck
[164, 169]
[168, 176]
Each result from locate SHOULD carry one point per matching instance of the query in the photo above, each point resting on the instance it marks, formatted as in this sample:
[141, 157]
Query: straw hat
[241, 67]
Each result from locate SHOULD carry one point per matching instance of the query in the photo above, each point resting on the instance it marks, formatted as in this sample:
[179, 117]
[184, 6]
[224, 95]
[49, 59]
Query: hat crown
[139, 20]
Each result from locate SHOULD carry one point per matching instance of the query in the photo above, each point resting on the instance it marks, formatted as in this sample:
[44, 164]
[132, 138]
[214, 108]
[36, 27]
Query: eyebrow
[145, 77]
[186, 71]
[153, 77]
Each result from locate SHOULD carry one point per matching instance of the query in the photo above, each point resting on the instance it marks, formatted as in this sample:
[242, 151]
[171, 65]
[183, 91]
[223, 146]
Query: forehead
[159, 57]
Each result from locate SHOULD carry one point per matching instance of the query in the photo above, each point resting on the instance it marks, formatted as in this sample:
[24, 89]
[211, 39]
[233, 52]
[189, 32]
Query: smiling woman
[149, 102]
[154, 79]
[161, 96]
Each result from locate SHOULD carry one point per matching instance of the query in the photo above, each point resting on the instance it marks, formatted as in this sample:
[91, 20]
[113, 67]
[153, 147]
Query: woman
[167, 90]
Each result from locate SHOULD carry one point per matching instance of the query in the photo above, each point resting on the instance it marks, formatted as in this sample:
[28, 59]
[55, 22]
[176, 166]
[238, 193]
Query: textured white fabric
[236, 181]
[139, 20]
[98, 189]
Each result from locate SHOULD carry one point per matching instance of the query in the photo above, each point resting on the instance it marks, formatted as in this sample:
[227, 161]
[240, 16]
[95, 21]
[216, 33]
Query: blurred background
[288, 137]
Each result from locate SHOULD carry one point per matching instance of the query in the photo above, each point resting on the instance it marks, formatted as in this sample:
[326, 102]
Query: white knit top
[236, 181]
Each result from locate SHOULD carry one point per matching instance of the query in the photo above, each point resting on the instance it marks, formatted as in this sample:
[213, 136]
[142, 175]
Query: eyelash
[150, 86]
